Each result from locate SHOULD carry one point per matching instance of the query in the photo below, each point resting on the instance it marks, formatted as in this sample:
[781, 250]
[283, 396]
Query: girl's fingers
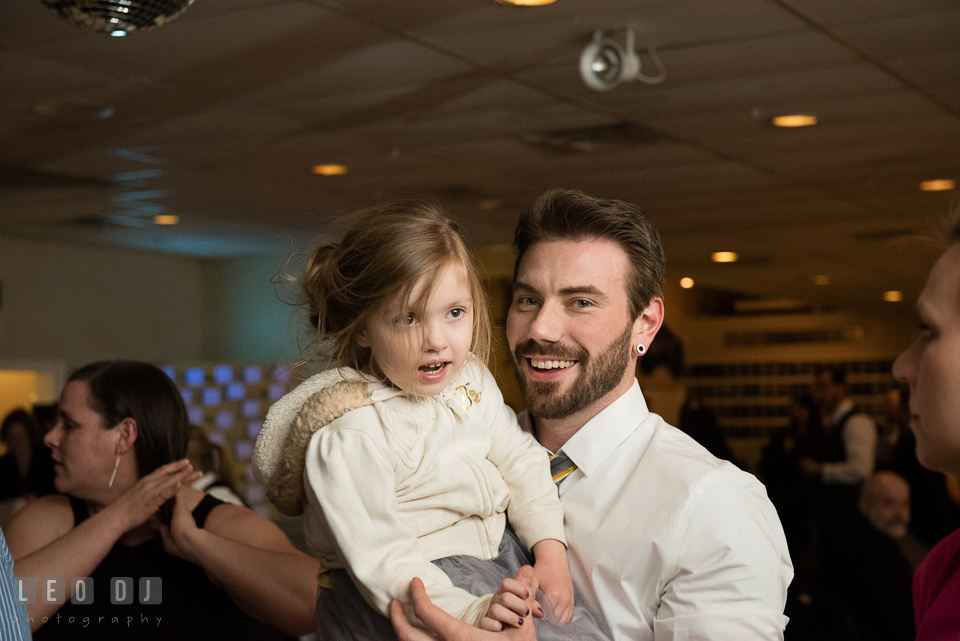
[514, 587]
[504, 615]
[514, 603]
[488, 624]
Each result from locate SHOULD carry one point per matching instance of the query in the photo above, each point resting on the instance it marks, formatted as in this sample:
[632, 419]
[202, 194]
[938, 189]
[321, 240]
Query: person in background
[890, 426]
[867, 569]
[792, 491]
[699, 423]
[126, 510]
[27, 469]
[931, 367]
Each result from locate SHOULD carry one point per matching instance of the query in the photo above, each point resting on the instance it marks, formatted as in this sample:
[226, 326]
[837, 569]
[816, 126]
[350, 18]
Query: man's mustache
[532, 348]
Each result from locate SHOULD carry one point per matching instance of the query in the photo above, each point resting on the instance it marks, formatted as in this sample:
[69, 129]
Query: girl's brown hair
[384, 253]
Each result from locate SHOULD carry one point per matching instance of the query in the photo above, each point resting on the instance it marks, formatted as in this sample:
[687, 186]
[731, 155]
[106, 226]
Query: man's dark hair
[563, 214]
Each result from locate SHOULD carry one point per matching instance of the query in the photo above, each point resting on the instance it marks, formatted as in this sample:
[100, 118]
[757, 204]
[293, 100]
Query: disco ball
[118, 17]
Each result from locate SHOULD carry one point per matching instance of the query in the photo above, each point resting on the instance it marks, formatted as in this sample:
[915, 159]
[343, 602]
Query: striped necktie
[561, 466]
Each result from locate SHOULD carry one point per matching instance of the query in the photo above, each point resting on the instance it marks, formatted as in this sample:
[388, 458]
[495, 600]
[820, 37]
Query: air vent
[591, 140]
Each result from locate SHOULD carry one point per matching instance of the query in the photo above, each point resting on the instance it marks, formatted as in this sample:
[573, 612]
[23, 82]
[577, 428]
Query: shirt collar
[593, 442]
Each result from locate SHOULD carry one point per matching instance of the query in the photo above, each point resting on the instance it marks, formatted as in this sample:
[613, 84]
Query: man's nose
[547, 325]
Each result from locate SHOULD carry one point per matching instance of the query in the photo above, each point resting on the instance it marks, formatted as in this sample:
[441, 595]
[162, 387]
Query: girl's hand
[138, 504]
[508, 607]
[553, 575]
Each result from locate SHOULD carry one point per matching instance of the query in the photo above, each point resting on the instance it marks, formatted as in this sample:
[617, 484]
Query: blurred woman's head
[104, 407]
[931, 365]
[21, 434]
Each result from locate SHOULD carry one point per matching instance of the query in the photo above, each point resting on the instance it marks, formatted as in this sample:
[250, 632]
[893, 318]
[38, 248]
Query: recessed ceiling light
[166, 219]
[794, 120]
[329, 170]
[724, 257]
[488, 205]
[893, 296]
[944, 184]
[821, 279]
[118, 33]
[527, 3]
[686, 283]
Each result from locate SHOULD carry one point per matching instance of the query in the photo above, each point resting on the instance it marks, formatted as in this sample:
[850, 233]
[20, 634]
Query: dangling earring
[640, 350]
[114, 475]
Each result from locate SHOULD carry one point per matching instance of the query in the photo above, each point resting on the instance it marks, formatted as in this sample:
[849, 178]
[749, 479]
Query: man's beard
[598, 376]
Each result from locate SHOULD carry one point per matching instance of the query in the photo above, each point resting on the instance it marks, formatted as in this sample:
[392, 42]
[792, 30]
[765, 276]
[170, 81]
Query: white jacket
[402, 480]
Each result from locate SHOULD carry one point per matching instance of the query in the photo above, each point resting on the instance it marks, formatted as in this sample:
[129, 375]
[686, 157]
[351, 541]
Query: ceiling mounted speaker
[118, 17]
[605, 63]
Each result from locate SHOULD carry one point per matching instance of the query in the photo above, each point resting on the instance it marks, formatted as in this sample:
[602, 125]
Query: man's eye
[582, 304]
[526, 301]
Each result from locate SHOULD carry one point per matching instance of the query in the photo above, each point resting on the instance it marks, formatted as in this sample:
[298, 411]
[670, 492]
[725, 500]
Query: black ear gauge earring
[640, 350]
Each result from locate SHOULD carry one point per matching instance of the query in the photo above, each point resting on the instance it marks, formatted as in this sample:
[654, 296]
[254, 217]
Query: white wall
[80, 303]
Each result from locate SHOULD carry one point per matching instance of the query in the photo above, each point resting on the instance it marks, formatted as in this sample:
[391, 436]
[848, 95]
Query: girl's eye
[408, 319]
[456, 312]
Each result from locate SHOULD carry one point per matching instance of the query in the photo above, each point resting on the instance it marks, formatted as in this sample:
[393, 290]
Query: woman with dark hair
[126, 511]
[26, 469]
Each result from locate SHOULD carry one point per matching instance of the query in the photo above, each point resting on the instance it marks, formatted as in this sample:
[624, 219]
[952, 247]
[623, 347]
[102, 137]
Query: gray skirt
[343, 614]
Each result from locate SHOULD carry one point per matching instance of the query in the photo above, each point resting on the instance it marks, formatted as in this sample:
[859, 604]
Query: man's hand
[448, 628]
[177, 537]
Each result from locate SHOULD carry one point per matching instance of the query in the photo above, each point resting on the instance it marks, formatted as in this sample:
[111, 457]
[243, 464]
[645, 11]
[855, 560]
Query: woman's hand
[178, 535]
[552, 573]
[138, 504]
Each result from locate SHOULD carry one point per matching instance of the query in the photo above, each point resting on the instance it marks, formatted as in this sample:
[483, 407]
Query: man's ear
[647, 325]
[128, 434]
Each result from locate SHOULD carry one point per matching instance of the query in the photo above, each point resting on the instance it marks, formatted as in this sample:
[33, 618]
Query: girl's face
[84, 452]
[421, 355]
[931, 366]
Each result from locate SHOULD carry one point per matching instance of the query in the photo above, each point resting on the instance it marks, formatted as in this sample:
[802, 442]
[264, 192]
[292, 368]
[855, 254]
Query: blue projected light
[254, 428]
[251, 408]
[170, 372]
[217, 437]
[222, 374]
[187, 396]
[225, 419]
[212, 396]
[252, 374]
[236, 391]
[195, 414]
[194, 376]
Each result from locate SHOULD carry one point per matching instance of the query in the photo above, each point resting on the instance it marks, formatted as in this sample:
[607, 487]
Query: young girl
[406, 454]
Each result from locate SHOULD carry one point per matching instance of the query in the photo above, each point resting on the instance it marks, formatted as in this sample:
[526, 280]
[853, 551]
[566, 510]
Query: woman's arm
[44, 542]
[251, 559]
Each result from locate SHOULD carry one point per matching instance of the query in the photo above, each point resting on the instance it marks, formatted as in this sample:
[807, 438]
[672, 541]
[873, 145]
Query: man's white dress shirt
[860, 442]
[666, 540]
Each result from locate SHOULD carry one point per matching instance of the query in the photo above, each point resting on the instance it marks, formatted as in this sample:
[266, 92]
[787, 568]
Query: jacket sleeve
[534, 511]
[351, 475]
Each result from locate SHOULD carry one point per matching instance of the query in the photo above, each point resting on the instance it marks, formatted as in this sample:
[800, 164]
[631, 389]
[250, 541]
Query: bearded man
[665, 540]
